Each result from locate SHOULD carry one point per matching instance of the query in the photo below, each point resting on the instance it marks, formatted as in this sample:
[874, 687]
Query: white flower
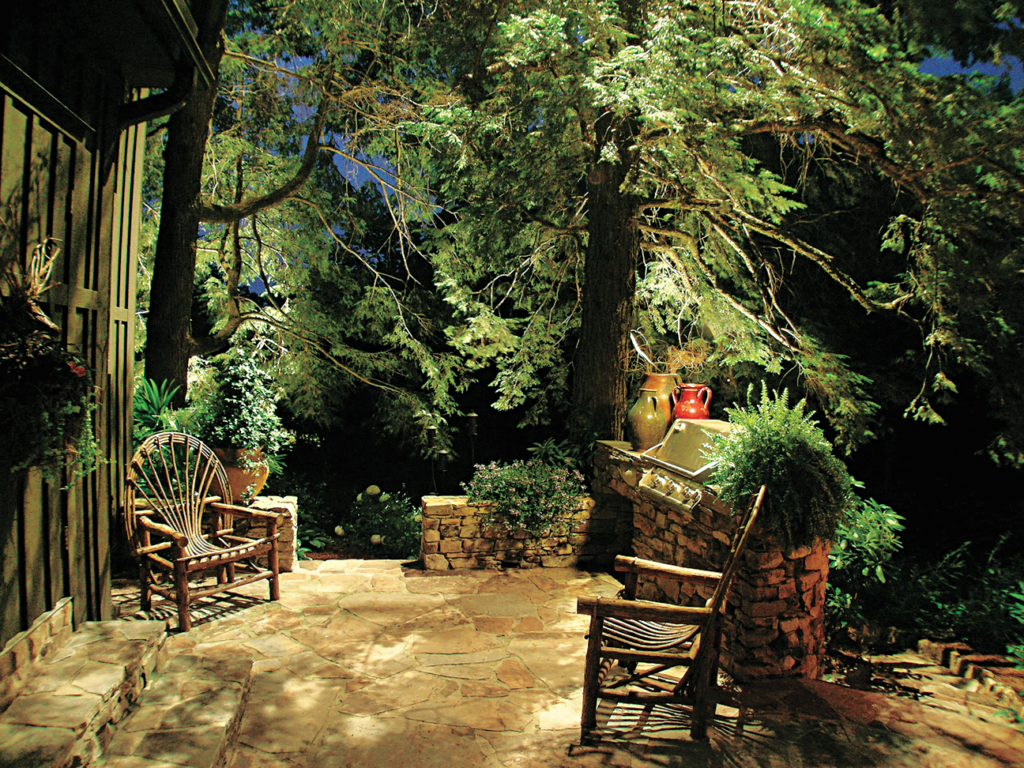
[359, 497]
[373, 490]
[385, 496]
[339, 531]
[376, 539]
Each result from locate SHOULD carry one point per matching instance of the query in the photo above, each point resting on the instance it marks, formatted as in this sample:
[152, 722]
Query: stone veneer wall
[18, 660]
[453, 537]
[775, 621]
[286, 542]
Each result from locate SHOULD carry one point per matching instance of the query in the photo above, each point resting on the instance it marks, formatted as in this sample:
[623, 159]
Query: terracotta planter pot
[245, 483]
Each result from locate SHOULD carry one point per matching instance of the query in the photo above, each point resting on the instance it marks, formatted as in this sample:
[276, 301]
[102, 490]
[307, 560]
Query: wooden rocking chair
[649, 639]
[169, 498]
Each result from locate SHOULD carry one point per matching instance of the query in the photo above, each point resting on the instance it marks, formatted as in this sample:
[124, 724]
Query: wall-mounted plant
[532, 496]
[781, 447]
[46, 390]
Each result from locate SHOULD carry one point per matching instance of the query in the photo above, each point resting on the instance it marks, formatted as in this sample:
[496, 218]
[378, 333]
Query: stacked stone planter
[289, 507]
[775, 621]
[454, 538]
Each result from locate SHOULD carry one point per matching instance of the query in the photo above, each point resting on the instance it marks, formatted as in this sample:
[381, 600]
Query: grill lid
[679, 467]
[682, 450]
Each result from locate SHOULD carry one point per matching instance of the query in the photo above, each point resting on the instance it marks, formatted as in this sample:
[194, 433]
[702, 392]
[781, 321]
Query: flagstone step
[64, 713]
[189, 714]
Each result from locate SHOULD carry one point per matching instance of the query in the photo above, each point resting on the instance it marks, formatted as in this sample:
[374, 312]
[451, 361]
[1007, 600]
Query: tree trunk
[609, 280]
[169, 343]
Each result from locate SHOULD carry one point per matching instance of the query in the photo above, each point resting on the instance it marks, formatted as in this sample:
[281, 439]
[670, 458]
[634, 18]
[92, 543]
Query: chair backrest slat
[172, 473]
[739, 545]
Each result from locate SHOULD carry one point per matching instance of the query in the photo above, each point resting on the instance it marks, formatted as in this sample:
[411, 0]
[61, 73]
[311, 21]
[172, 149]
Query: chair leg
[275, 580]
[591, 669]
[182, 593]
[702, 699]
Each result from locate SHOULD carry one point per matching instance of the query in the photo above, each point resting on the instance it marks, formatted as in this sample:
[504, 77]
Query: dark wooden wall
[65, 174]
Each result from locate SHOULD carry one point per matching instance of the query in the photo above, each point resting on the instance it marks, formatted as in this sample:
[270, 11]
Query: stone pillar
[774, 624]
[286, 542]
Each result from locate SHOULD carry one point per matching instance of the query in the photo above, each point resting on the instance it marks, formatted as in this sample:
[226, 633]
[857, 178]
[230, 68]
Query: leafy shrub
[326, 524]
[384, 522]
[978, 599]
[242, 412]
[151, 405]
[782, 448]
[1016, 649]
[532, 496]
[565, 453]
[864, 542]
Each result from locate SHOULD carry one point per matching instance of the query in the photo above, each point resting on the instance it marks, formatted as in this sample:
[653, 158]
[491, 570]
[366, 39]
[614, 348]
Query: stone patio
[369, 663]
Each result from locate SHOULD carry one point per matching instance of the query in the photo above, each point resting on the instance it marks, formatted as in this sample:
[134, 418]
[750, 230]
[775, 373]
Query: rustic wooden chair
[649, 639]
[178, 525]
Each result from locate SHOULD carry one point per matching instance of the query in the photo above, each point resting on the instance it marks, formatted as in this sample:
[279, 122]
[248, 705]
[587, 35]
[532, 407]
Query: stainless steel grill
[678, 468]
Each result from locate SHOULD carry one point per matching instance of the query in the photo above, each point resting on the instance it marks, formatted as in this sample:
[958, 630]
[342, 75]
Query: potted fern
[809, 489]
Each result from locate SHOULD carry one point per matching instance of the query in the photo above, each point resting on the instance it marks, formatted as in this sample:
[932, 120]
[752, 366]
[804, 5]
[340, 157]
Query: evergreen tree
[588, 144]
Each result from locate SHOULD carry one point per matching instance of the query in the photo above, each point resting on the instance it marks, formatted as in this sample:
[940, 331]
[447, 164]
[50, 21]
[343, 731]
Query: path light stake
[443, 460]
[431, 446]
[471, 426]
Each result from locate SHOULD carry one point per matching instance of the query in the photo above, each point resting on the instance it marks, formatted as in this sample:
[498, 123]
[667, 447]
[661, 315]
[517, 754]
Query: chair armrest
[661, 570]
[177, 537]
[641, 610]
[252, 514]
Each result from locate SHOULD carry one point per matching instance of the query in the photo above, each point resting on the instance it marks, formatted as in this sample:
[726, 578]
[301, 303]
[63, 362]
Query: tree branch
[211, 212]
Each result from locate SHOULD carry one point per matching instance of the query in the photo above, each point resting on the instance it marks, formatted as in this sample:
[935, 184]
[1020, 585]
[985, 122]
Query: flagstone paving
[368, 663]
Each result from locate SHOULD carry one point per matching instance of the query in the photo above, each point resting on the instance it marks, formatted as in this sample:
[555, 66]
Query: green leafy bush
[532, 496]
[151, 405]
[966, 595]
[374, 525]
[384, 523]
[242, 412]
[864, 543]
[565, 453]
[782, 448]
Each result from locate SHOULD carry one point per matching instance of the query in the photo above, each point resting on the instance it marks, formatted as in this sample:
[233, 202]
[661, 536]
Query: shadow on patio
[369, 663]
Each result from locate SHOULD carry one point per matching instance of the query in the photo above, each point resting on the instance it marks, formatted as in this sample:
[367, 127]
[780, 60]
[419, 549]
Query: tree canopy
[762, 183]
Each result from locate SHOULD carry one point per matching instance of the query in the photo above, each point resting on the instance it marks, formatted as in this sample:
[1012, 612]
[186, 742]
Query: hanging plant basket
[46, 390]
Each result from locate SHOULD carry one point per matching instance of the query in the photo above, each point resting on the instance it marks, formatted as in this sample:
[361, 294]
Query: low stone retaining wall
[289, 507]
[23, 652]
[454, 538]
[775, 620]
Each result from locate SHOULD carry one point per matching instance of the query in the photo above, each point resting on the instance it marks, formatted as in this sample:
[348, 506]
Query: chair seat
[209, 552]
[649, 635]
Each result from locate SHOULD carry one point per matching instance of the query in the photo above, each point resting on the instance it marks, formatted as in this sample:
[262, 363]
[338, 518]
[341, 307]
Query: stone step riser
[66, 711]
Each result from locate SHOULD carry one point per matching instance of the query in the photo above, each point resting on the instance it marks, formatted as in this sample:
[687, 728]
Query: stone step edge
[39, 732]
[961, 661]
[220, 753]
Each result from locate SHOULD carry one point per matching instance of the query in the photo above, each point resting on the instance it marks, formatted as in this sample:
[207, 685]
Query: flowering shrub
[389, 523]
[531, 496]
